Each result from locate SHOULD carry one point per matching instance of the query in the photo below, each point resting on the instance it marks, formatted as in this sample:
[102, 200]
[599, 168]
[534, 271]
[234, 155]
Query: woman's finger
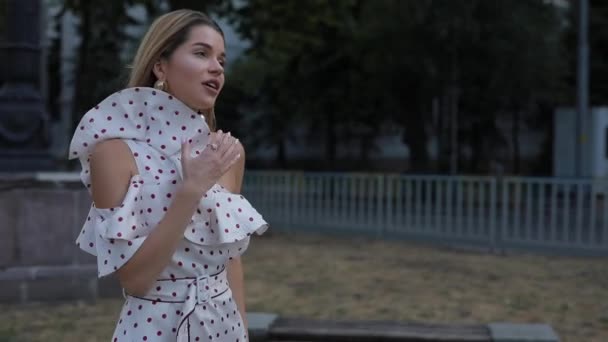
[213, 140]
[224, 139]
[229, 150]
[185, 151]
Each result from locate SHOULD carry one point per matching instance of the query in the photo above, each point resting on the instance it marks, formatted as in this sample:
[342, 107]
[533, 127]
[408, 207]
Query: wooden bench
[292, 329]
[271, 328]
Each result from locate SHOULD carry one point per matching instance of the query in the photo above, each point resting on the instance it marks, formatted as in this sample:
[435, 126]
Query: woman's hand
[201, 172]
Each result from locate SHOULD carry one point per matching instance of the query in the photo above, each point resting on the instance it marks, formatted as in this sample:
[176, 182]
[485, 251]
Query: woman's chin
[206, 108]
[206, 104]
[202, 107]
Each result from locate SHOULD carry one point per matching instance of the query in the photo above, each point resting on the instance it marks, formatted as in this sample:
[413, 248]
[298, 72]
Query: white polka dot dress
[191, 299]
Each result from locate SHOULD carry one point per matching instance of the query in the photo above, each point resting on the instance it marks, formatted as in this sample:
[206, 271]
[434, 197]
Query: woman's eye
[200, 53]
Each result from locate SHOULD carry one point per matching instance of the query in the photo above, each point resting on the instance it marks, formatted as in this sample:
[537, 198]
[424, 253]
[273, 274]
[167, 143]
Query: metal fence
[537, 214]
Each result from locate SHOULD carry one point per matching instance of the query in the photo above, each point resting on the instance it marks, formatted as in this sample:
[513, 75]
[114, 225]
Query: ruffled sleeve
[223, 217]
[115, 234]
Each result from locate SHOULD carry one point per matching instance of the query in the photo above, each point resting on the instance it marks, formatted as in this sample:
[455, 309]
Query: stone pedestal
[24, 123]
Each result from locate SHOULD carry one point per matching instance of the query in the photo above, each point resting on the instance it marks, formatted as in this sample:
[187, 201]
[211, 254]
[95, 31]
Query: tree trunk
[515, 141]
[330, 139]
[416, 139]
[438, 123]
[477, 148]
[281, 153]
[79, 84]
[445, 133]
[453, 105]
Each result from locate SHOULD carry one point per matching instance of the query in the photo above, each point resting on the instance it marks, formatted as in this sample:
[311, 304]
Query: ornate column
[24, 123]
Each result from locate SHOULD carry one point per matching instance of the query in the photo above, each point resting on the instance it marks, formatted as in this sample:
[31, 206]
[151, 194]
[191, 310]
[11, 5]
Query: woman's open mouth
[212, 85]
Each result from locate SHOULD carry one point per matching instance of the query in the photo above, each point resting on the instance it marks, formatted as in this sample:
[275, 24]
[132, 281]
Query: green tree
[100, 67]
[342, 69]
[479, 60]
[309, 72]
[337, 67]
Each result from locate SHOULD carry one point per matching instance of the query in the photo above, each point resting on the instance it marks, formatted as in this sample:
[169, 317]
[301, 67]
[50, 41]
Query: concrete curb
[512, 332]
[259, 324]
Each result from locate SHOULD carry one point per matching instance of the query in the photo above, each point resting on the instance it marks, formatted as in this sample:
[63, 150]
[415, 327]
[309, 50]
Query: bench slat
[291, 329]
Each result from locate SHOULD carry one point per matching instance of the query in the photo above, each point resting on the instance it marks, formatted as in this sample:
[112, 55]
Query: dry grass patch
[354, 278]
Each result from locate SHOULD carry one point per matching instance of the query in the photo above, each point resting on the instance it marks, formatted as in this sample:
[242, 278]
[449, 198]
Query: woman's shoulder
[239, 147]
[115, 150]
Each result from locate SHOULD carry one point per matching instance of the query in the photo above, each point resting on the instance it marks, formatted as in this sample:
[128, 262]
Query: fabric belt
[190, 291]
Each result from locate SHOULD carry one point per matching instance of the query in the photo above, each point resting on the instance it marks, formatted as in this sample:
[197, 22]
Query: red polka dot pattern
[220, 228]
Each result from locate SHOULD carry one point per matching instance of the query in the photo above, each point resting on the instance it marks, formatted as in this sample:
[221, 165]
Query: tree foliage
[462, 79]
[338, 65]
[100, 68]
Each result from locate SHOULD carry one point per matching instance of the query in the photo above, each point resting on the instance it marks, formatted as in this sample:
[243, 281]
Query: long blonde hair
[165, 34]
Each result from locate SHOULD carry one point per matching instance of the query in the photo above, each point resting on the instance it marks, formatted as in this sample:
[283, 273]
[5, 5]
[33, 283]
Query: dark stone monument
[24, 123]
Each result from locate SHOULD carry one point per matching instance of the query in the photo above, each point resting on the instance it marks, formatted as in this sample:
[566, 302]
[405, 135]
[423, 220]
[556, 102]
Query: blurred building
[595, 156]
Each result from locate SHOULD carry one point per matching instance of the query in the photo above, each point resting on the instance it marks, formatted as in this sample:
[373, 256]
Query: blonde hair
[165, 34]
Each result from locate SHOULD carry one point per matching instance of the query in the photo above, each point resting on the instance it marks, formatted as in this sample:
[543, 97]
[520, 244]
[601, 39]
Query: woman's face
[194, 73]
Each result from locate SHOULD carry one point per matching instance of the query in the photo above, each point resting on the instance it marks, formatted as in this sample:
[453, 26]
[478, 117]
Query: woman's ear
[159, 70]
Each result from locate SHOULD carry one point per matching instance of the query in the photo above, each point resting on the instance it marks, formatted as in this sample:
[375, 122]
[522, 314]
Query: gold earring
[160, 85]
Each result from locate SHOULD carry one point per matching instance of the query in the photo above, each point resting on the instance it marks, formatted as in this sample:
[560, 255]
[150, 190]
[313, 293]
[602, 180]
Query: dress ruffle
[224, 217]
[115, 234]
[157, 120]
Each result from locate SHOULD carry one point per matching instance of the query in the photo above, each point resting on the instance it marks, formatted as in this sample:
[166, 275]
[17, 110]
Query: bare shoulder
[233, 178]
[239, 147]
[112, 166]
[238, 169]
[113, 152]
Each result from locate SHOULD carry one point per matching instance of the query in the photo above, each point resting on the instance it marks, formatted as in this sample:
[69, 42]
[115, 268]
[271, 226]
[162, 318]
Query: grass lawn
[355, 278]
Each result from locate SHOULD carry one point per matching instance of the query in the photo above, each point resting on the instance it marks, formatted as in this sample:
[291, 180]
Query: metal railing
[563, 215]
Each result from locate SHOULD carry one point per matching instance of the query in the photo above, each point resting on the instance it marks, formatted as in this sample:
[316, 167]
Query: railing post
[379, 217]
[503, 187]
[288, 197]
[390, 215]
[493, 212]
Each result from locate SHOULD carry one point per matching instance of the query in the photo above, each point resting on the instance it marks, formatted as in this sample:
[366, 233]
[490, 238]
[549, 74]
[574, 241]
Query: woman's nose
[216, 66]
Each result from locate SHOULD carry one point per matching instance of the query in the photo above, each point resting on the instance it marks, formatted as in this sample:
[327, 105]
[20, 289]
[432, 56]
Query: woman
[165, 216]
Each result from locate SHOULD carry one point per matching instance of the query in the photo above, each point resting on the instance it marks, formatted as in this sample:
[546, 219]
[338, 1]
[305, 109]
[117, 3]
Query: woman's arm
[112, 166]
[233, 181]
[237, 286]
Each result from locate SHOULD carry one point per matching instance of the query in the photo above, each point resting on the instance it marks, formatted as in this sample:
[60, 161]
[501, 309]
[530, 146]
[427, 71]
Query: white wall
[564, 143]
[597, 141]
[595, 144]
